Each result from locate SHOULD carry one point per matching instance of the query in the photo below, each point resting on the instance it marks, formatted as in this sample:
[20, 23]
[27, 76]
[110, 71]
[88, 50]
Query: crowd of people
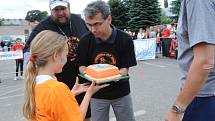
[167, 31]
[166, 40]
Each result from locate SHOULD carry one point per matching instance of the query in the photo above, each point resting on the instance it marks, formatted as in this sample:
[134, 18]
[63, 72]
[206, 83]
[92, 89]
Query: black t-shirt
[118, 51]
[74, 32]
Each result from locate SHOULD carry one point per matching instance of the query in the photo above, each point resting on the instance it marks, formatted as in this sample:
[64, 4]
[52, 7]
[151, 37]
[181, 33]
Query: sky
[17, 9]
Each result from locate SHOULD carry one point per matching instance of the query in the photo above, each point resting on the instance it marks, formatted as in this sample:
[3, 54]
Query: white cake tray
[104, 81]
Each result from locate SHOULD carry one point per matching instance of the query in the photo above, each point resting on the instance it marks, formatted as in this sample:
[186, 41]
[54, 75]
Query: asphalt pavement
[154, 86]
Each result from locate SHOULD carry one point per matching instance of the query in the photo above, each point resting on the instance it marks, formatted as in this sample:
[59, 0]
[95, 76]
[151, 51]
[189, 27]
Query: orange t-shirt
[55, 102]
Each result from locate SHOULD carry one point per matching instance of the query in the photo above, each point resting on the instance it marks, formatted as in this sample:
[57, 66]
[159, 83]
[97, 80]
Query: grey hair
[96, 7]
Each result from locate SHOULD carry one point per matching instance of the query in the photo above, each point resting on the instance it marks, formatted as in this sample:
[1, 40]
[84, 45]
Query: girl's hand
[79, 88]
[94, 88]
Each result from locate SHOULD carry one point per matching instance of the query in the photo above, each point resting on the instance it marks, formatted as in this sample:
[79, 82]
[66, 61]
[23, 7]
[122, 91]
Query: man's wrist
[178, 109]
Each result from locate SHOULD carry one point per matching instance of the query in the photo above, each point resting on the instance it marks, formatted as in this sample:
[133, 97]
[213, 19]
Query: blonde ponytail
[29, 105]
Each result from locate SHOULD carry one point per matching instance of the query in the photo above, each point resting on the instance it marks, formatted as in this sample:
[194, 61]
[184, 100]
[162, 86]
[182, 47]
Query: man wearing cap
[69, 25]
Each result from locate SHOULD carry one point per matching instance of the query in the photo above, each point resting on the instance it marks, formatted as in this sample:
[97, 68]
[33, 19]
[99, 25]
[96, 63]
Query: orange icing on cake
[100, 72]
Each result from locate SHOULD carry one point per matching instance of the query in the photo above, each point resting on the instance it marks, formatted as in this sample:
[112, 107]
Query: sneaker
[15, 78]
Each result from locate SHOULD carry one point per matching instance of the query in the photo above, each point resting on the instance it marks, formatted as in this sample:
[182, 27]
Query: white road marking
[156, 65]
[22, 119]
[6, 97]
[136, 114]
[10, 91]
[5, 87]
[5, 105]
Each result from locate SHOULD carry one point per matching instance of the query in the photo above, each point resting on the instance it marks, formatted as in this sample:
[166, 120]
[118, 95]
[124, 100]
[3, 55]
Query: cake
[102, 72]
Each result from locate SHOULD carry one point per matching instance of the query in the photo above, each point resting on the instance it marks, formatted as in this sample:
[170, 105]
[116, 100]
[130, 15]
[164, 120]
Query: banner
[145, 48]
[11, 55]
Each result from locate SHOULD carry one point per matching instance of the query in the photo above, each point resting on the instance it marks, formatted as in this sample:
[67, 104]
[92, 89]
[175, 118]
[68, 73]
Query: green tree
[166, 4]
[1, 21]
[144, 13]
[42, 15]
[165, 19]
[175, 8]
[36, 15]
[119, 13]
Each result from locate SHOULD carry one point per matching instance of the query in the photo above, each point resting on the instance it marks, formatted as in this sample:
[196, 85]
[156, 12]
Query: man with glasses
[107, 44]
[71, 26]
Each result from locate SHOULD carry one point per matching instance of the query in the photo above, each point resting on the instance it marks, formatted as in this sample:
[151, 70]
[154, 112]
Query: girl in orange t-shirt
[46, 99]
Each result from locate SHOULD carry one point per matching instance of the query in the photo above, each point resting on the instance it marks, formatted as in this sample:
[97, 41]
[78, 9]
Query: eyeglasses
[95, 25]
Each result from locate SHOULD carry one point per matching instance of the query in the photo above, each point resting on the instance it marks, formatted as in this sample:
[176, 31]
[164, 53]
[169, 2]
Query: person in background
[71, 26]
[158, 41]
[165, 41]
[134, 36]
[173, 51]
[2, 45]
[173, 30]
[113, 46]
[141, 34]
[125, 30]
[130, 32]
[18, 46]
[148, 33]
[153, 31]
[47, 99]
[8, 45]
[196, 58]
[166, 32]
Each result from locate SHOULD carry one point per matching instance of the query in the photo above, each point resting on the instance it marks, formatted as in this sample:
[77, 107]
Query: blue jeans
[201, 109]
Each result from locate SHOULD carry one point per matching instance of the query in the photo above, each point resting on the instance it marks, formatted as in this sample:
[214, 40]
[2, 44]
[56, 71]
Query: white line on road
[10, 91]
[152, 64]
[136, 114]
[5, 86]
[22, 119]
[2, 98]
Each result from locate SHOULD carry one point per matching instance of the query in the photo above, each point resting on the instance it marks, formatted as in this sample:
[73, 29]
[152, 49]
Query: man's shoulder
[88, 35]
[45, 20]
[76, 17]
[44, 24]
[87, 38]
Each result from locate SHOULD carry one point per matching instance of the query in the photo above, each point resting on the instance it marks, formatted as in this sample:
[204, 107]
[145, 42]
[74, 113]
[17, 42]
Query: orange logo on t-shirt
[105, 57]
[73, 44]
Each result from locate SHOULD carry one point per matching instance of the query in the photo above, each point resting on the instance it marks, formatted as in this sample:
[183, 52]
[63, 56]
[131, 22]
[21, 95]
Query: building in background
[13, 28]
